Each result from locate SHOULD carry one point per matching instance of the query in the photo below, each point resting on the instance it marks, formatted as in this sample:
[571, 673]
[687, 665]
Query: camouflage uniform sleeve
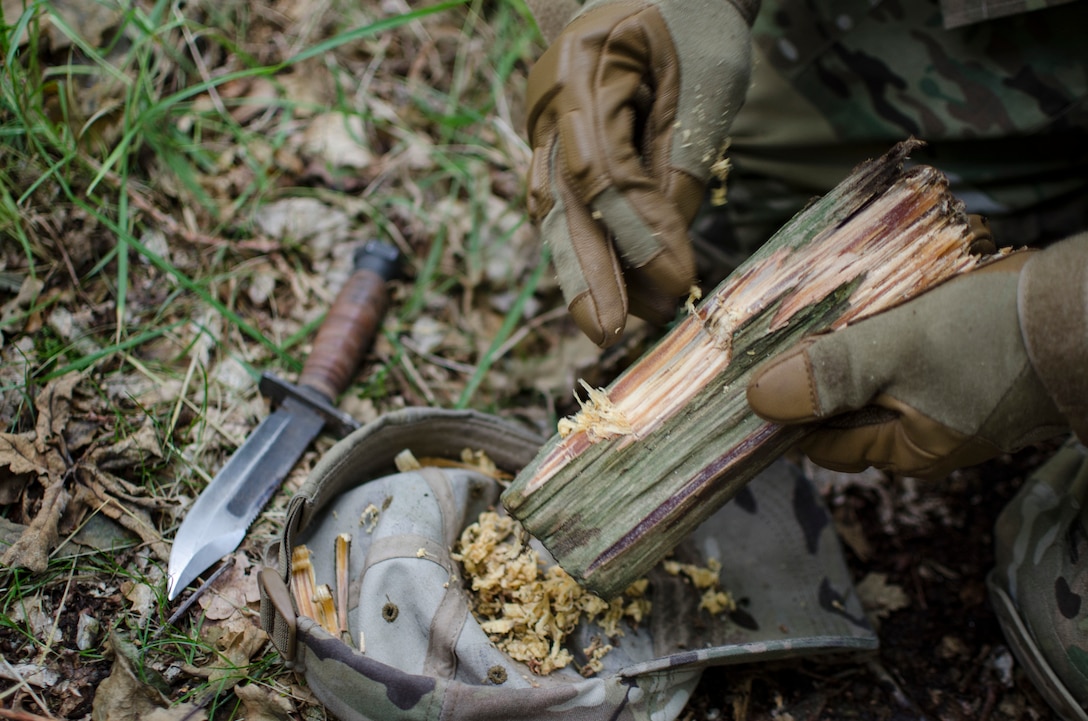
[1054, 319]
[967, 12]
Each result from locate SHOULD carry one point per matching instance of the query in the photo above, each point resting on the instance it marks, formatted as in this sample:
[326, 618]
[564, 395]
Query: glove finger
[651, 236]
[648, 205]
[884, 446]
[646, 299]
[586, 264]
[901, 441]
[823, 376]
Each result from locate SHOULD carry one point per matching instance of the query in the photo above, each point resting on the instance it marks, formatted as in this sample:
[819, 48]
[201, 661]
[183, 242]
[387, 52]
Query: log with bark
[672, 439]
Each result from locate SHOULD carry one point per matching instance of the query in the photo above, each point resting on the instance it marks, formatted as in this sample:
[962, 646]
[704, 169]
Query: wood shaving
[528, 610]
[474, 460]
[695, 294]
[719, 171]
[369, 518]
[406, 461]
[708, 580]
[599, 417]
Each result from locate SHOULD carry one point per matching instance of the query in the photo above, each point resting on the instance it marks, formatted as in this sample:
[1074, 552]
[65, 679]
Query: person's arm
[629, 109]
[985, 364]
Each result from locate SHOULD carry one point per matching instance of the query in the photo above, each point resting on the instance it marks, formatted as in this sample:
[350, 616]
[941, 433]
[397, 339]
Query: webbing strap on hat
[278, 614]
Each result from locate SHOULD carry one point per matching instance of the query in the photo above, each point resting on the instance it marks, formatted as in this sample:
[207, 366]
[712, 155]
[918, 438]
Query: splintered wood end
[599, 418]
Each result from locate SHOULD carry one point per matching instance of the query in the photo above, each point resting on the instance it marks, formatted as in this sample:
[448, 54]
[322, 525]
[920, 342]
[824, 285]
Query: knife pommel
[352, 322]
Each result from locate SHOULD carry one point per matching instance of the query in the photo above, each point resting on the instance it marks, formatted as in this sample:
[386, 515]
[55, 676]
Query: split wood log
[672, 439]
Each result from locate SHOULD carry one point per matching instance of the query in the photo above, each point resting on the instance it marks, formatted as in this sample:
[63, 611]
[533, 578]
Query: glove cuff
[1053, 309]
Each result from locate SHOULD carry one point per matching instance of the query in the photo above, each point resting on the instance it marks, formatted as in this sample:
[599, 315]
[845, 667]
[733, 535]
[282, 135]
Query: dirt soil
[942, 656]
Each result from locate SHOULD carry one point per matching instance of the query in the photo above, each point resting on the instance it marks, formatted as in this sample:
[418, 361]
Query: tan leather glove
[943, 381]
[628, 110]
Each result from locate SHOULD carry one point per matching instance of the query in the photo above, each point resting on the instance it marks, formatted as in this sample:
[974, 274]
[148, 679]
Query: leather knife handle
[352, 322]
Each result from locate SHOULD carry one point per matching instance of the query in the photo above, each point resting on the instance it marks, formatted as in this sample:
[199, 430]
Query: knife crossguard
[278, 390]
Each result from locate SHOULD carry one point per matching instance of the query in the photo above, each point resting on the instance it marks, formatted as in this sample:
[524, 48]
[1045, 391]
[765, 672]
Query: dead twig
[22, 683]
[23, 715]
[892, 686]
[195, 595]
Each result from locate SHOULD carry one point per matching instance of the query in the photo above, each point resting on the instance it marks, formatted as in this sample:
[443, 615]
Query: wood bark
[672, 439]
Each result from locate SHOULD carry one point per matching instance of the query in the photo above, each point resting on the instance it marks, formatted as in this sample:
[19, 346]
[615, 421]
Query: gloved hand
[628, 110]
[941, 382]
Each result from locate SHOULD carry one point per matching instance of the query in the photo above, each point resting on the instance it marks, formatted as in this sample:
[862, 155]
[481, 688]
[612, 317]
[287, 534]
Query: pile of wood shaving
[529, 611]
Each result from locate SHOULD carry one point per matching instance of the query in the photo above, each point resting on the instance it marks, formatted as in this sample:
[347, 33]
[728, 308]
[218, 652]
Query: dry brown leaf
[124, 697]
[31, 673]
[19, 454]
[142, 598]
[54, 404]
[236, 589]
[131, 450]
[31, 287]
[41, 536]
[9, 532]
[263, 703]
[238, 639]
[337, 140]
[181, 712]
[91, 21]
[36, 615]
[317, 224]
[879, 597]
[129, 514]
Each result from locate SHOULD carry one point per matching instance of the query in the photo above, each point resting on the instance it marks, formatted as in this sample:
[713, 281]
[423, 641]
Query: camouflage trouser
[1039, 585]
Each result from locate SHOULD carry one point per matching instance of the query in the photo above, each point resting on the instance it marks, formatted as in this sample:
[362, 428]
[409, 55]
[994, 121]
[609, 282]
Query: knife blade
[219, 518]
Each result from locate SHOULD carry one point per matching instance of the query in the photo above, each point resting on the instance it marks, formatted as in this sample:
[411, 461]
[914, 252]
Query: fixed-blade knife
[219, 518]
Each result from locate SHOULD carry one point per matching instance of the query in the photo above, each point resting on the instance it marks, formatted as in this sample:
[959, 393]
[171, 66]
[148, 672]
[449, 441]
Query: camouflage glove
[628, 110]
[943, 381]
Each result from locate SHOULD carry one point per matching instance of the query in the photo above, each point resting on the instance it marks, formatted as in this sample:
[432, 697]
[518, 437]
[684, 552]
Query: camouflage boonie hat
[423, 655]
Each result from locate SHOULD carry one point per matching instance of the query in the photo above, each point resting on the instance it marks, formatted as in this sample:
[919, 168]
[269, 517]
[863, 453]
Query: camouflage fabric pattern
[1040, 581]
[1003, 105]
[965, 12]
[424, 656]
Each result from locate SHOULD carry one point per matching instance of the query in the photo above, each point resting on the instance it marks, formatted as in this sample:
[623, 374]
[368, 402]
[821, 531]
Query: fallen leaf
[18, 453]
[181, 712]
[30, 673]
[91, 20]
[87, 630]
[31, 287]
[41, 536]
[879, 597]
[307, 221]
[10, 532]
[123, 696]
[54, 404]
[142, 598]
[236, 640]
[100, 491]
[41, 625]
[338, 141]
[263, 703]
[132, 450]
[236, 589]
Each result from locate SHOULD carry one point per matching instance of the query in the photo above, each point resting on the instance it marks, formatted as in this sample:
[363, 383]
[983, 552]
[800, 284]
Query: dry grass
[181, 188]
